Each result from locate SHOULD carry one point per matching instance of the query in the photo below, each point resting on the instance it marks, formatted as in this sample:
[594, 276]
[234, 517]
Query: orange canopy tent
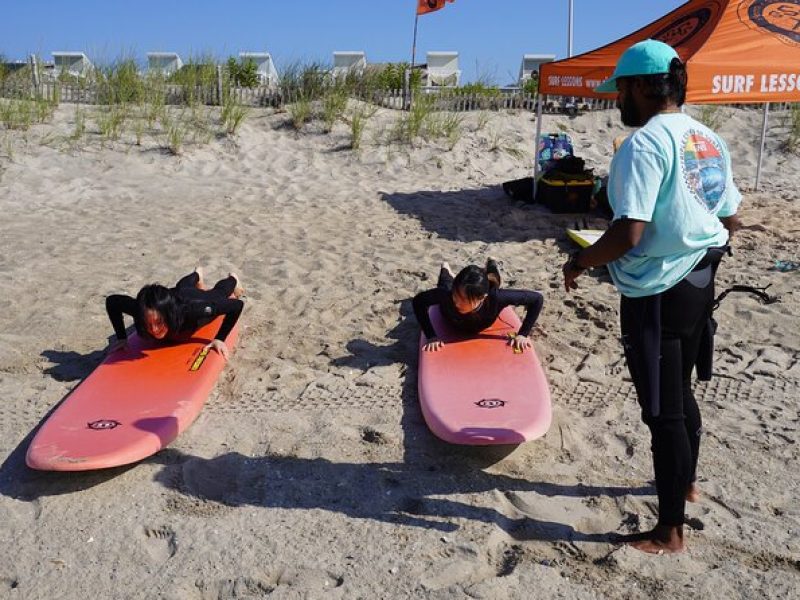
[736, 51]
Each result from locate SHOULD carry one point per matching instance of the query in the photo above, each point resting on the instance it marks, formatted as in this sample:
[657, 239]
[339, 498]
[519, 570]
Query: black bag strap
[760, 293]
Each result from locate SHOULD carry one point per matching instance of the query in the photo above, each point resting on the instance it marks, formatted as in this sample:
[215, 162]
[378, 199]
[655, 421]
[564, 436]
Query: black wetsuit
[474, 322]
[197, 308]
[661, 335]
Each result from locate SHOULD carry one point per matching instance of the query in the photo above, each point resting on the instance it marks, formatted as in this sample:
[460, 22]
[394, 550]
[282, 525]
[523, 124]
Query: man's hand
[571, 272]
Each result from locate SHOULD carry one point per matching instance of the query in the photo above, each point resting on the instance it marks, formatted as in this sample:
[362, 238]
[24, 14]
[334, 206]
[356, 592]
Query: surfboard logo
[704, 170]
[779, 17]
[682, 30]
[198, 362]
[491, 403]
[103, 424]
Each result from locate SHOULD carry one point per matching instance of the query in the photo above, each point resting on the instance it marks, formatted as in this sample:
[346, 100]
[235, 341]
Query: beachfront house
[163, 63]
[442, 69]
[265, 67]
[345, 63]
[531, 64]
[76, 64]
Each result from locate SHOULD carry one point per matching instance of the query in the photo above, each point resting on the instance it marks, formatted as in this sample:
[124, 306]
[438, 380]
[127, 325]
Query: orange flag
[428, 6]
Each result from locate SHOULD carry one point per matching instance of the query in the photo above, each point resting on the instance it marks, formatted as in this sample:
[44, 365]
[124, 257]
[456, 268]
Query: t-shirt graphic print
[703, 167]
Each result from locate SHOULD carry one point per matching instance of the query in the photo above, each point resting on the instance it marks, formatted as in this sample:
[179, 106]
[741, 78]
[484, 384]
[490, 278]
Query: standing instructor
[674, 201]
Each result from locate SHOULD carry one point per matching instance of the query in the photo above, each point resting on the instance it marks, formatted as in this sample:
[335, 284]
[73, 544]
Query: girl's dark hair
[159, 298]
[668, 86]
[473, 282]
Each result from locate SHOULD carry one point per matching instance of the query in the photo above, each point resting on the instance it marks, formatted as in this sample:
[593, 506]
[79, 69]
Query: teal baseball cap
[649, 57]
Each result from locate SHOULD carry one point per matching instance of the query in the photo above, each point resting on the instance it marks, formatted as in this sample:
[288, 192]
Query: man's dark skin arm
[622, 236]
[732, 224]
[618, 239]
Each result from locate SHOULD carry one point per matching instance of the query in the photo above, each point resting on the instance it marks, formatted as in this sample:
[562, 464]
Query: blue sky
[490, 35]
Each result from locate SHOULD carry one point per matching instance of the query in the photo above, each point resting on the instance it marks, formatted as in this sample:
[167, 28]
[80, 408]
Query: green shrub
[531, 86]
[393, 77]
[243, 73]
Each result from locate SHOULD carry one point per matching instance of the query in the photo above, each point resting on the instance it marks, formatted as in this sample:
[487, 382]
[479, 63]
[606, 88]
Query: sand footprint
[240, 587]
[161, 543]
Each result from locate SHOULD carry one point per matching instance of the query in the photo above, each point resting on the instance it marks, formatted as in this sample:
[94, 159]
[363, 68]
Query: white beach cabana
[72, 63]
[165, 63]
[442, 69]
[265, 67]
[530, 64]
[346, 62]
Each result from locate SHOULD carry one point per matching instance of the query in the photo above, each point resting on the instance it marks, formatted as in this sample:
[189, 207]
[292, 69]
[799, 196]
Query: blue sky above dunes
[490, 35]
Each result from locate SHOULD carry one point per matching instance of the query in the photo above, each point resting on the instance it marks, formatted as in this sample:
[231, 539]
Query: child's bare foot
[238, 290]
[201, 284]
[692, 494]
[493, 271]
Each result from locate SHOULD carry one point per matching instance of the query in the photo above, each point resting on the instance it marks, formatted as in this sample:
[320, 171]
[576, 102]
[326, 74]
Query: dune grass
[300, 112]
[711, 116]
[793, 137]
[334, 104]
[79, 126]
[17, 114]
[111, 121]
[174, 132]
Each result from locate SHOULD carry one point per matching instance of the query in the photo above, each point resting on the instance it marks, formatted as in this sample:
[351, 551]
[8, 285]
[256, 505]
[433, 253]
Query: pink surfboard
[477, 391]
[134, 404]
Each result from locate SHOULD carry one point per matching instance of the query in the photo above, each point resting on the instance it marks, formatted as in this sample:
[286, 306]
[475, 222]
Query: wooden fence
[443, 98]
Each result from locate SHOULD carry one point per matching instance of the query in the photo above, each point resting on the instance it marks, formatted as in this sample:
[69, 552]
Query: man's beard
[629, 112]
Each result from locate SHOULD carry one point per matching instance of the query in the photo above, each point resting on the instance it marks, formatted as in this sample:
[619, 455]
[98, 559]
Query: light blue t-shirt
[675, 174]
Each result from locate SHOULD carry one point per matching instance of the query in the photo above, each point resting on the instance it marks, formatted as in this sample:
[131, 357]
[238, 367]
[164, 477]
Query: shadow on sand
[407, 492]
[484, 215]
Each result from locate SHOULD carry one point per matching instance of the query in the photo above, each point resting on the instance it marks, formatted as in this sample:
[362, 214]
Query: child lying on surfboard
[471, 302]
[171, 314]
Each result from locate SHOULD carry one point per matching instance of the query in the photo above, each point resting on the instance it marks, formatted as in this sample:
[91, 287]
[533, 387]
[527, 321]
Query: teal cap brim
[608, 86]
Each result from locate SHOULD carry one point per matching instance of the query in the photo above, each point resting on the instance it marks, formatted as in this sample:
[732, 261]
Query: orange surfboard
[478, 391]
[134, 404]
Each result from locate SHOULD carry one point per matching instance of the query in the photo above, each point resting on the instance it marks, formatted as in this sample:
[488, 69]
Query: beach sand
[311, 473]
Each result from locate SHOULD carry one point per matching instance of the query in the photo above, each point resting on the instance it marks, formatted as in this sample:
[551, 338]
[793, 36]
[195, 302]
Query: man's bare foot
[692, 494]
[201, 284]
[662, 539]
[238, 290]
[446, 267]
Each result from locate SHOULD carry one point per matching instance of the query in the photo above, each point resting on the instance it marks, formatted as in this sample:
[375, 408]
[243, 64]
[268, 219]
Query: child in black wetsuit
[471, 302]
[170, 314]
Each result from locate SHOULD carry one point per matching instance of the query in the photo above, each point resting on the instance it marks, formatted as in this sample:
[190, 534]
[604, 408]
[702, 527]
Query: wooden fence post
[219, 84]
[34, 73]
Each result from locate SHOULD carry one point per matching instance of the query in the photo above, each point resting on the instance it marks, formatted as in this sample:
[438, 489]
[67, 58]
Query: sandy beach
[311, 473]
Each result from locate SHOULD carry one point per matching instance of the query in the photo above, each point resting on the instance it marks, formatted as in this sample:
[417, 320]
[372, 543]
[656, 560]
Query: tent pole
[569, 32]
[539, 103]
[761, 150]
